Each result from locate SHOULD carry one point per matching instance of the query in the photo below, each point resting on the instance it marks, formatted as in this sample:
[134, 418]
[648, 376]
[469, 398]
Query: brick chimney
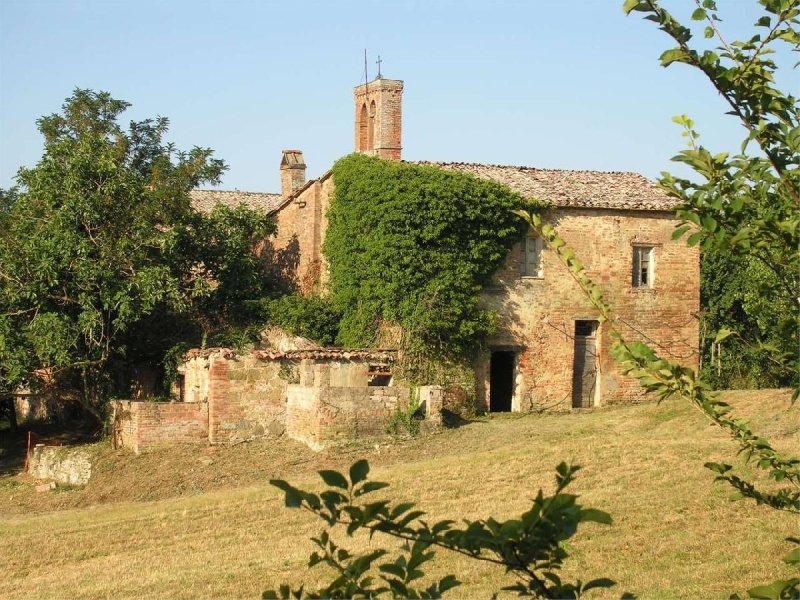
[379, 118]
[293, 172]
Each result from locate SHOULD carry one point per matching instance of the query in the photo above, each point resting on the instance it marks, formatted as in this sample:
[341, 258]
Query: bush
[311, 317]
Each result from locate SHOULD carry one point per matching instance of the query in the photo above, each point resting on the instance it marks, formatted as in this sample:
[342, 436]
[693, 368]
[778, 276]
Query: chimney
[293, 172]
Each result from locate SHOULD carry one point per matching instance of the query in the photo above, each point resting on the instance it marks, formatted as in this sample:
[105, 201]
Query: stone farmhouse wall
[141, 425]
[297, 246]
[537, 315]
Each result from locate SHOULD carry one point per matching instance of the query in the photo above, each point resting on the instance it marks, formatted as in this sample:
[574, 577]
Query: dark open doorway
[501, 381]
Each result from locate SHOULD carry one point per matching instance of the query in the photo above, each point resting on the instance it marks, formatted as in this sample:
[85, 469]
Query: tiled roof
[377, 354]
[206, 200]
[328, 354]
[564, 188]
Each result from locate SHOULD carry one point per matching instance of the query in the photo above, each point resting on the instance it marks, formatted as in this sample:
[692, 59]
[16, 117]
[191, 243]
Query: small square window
[530, 263]
[643, 266]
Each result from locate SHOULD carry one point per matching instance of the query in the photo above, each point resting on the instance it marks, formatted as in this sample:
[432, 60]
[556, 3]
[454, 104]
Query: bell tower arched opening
[378, 118]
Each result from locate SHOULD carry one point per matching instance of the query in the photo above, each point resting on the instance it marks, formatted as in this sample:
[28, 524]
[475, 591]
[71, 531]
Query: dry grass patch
[185, 531]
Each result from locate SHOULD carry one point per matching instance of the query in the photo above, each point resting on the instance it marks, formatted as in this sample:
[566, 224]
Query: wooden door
[584, 365]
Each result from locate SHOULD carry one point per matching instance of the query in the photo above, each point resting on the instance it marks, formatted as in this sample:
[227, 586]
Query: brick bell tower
[379, 118]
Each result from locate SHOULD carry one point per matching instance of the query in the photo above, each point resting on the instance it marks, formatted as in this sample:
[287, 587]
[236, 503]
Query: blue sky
[542, 83]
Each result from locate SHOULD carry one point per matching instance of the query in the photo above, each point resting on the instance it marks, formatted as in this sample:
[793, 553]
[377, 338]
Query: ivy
[412, 246]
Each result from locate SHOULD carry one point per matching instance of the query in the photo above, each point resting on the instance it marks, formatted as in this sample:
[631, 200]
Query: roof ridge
[522, 167]
[234, 191]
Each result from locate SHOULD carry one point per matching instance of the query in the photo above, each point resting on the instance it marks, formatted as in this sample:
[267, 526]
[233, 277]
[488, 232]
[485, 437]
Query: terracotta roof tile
[377, 354]
[329, 354]
[565, 188]
[206, 200]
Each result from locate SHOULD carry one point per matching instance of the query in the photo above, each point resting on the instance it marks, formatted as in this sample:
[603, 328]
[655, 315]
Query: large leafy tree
[100, 247]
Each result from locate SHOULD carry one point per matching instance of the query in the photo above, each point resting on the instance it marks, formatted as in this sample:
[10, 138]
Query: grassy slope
[207, 525]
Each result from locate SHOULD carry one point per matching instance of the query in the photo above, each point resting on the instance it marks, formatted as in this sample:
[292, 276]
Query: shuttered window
[643, 267]
[531, 257]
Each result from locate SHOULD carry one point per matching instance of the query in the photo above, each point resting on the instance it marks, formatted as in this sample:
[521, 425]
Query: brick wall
[295, 251]
[141, 425]
[246, 398]
[537, 316]
[383, 99]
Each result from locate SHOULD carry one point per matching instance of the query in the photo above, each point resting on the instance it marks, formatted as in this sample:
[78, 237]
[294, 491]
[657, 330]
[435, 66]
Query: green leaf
[334, 479]
[674, 55]
[699, 14]
[694, 239]
[793, 557]
[723, 334]
[393, 569]
[359, 471]
[680, 230]
[293, 499]
[632, 5]
[602, 582]
[448, 582]
[772, 591]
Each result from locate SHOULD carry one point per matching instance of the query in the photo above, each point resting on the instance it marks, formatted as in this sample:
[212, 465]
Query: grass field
[189, 523]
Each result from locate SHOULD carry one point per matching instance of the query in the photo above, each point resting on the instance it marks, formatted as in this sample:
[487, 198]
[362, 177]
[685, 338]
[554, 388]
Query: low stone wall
[322, 416]
[246, 398]
[338, 400]
[140, 425]
[71, 466]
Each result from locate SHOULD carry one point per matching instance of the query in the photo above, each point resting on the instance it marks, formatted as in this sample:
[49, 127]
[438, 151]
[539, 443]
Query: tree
[100, 247]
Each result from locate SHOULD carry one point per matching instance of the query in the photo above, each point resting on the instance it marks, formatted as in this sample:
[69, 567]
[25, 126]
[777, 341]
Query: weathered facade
[550, 351]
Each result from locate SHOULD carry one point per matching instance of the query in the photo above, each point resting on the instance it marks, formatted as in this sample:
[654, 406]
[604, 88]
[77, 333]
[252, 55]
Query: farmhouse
[549, 351]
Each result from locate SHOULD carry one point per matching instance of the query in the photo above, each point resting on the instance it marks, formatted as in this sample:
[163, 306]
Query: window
[531, 257]
[643, 266]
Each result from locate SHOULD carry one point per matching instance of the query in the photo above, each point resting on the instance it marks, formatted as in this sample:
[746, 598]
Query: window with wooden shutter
[643, 267]
[531, 257]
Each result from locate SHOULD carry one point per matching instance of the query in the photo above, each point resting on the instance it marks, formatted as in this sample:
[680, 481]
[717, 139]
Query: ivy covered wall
[411, 246]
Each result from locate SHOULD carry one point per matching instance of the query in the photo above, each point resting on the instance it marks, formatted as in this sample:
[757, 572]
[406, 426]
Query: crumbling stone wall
[71, 466]
[246, 397]
[537, 315]
[141, 425]
[333, 402]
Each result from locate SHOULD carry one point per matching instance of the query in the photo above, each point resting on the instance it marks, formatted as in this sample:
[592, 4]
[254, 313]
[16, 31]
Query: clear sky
[573, 85]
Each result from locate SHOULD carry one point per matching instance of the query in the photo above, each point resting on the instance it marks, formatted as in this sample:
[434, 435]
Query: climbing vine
[412, 246]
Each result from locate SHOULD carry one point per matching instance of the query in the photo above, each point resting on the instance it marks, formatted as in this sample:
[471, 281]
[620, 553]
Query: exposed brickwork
[296, 248]
[140, 425]
[537, 316]
[379, 118]
[246, 398]
[293, 172]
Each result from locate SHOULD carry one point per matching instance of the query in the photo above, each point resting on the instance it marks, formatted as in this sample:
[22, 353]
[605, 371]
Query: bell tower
[379, 118]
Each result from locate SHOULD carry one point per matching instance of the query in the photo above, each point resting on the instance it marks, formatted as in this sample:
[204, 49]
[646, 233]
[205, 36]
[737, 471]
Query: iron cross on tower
[378, 62]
